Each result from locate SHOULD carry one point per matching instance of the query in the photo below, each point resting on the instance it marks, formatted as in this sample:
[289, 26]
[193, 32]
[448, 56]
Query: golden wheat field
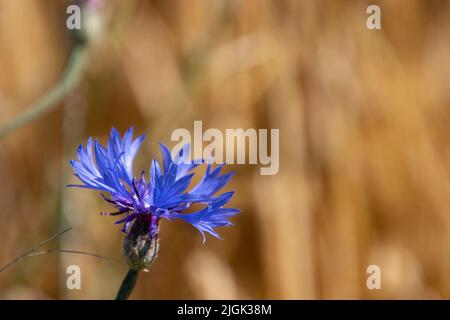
[364, 145]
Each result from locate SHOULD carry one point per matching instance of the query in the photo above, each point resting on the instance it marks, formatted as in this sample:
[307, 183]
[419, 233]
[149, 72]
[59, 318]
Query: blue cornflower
[144, 203]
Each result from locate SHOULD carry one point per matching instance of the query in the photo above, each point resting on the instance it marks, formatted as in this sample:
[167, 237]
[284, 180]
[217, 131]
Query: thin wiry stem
[32, 250]
[49, 101]
[74, 252]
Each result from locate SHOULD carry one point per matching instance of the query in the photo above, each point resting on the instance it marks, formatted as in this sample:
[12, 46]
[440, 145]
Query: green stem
[49, 101]
[127, 285]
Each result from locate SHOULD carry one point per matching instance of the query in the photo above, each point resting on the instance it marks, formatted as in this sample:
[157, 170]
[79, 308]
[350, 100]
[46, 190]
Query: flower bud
[140, 246]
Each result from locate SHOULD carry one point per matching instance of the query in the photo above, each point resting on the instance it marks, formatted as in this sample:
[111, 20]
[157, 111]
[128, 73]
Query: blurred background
[364, 145]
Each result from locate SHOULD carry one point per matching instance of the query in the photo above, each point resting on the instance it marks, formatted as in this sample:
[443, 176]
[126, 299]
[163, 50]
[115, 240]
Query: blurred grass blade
[49, 101]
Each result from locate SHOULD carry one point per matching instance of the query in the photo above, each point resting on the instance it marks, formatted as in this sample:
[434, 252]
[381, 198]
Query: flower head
[110, 169]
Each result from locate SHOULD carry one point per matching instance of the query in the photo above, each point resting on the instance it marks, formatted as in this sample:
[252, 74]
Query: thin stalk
[127, 285]
[32, 250]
